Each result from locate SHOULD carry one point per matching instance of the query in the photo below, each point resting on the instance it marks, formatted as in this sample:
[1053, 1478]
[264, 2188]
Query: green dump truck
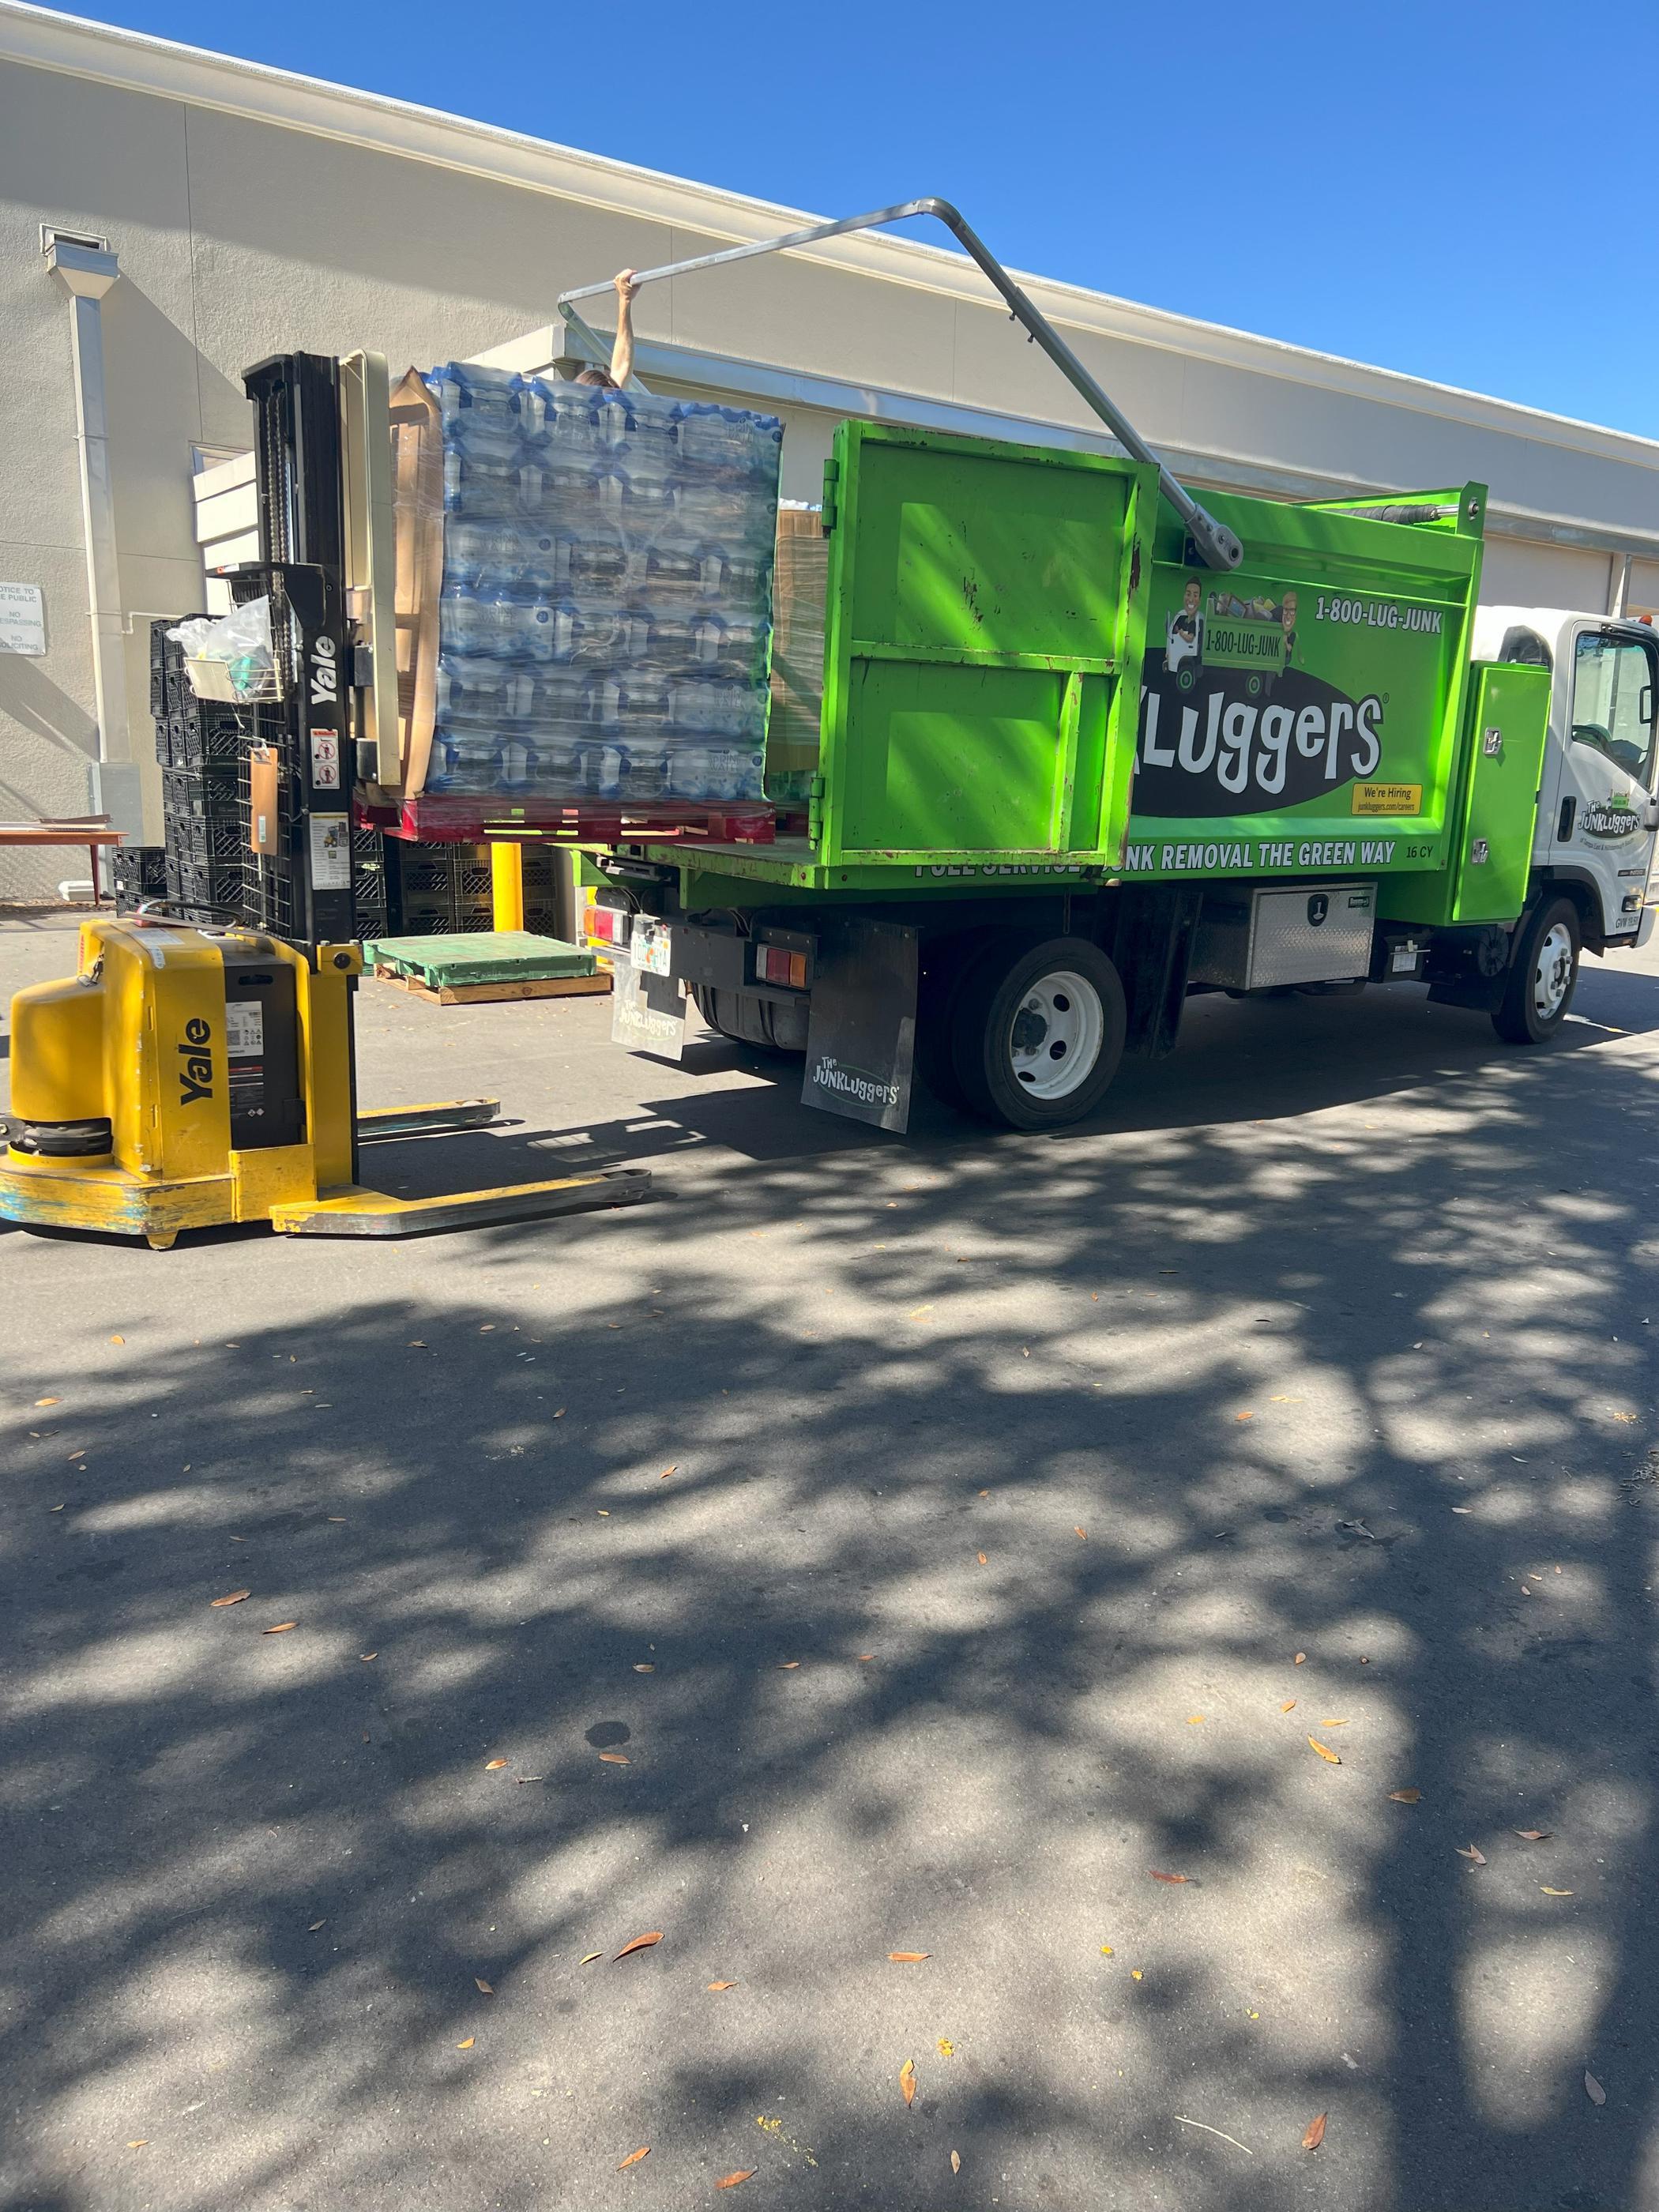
[1087, 748]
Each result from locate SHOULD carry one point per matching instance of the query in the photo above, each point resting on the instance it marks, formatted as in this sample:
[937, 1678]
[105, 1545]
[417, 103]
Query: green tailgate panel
[1508, 721]
[982, 600]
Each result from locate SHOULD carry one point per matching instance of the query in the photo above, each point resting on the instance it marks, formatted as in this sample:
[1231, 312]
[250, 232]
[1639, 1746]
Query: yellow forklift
[188, 1077]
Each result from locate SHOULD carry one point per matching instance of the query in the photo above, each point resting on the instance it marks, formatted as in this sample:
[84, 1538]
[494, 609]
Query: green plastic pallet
[506, 956]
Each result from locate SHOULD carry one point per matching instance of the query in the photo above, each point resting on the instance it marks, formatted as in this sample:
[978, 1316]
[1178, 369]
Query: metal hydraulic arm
[1217, 546]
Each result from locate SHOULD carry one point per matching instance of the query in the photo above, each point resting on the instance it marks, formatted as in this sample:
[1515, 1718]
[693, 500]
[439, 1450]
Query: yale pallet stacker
[187, 1078]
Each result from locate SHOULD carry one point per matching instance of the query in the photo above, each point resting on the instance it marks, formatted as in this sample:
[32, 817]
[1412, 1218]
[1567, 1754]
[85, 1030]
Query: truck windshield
[1614, 700]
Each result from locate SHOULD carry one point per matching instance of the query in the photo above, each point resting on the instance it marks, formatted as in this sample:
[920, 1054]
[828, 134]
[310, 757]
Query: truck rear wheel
[1039, 1032]
[1542, 976]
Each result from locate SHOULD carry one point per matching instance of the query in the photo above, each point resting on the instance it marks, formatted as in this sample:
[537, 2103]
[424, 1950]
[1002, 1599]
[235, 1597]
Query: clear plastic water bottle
[463, 761]
[703, 703]
[594, 567]
[485, 555]
[560, 418]
[555, 697]
[482, 479]
[476, 692]
[602, 769]
[497, 626]
[473, 401]
[558, 771]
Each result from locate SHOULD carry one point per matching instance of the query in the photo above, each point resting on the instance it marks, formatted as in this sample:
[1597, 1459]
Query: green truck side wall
[986, 615]
[1029, 678]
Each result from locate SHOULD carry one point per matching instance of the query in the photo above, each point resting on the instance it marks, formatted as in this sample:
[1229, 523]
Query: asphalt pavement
[1191, 1580]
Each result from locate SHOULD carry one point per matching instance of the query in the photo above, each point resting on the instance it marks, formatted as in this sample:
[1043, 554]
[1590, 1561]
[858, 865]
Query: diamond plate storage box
[1313, 934]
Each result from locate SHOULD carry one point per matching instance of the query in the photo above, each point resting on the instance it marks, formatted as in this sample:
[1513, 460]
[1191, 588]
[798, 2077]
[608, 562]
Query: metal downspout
[86, 274]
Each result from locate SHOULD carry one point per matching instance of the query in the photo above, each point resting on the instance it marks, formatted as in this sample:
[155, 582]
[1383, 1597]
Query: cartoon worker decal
[1287, 623]
[1185, 630]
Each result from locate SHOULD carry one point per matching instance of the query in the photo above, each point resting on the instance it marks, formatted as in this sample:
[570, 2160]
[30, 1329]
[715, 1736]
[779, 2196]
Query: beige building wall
[254, 212]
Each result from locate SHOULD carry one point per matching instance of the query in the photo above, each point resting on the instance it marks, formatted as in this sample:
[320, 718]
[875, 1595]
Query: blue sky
[1463, 192]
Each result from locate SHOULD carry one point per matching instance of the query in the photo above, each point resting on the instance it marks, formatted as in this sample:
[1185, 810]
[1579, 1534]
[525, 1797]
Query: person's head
[601, 377]
[1192, 595]
[1288, 610]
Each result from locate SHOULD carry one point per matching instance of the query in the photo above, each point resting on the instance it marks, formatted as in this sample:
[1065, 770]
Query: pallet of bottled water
[606, 618]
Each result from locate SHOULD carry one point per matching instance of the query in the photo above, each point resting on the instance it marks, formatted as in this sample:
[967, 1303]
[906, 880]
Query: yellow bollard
[507, 883]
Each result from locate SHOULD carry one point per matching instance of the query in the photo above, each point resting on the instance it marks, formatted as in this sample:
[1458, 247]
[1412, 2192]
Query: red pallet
[429, 819]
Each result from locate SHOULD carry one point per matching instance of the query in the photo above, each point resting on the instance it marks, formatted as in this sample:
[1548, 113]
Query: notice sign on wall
[23, 619]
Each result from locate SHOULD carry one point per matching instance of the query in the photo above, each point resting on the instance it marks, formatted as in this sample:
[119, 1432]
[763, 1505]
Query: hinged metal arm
[1217, 546]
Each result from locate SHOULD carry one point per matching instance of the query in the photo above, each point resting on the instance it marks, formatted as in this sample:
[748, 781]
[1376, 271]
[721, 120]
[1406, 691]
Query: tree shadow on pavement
[929, 1540]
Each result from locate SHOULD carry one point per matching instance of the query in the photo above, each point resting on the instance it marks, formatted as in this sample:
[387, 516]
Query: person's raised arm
[622, 353]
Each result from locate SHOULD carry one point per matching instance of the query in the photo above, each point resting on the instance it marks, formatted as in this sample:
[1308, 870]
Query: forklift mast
[302, 890]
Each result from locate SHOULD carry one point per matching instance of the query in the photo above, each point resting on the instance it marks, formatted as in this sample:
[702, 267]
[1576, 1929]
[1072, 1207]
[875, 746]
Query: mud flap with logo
[861, 1035]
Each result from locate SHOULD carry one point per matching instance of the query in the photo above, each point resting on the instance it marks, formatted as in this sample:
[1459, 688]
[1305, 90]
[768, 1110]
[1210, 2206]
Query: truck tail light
[775, 963]
[608, 924]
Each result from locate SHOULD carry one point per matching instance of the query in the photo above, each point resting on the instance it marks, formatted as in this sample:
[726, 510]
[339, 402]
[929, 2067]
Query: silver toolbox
[1314, 934]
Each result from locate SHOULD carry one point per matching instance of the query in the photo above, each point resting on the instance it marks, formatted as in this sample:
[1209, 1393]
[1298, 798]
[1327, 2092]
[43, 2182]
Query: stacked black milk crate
[199, 743]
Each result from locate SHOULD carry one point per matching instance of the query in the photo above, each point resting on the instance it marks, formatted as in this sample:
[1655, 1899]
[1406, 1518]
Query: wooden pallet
[483, 994]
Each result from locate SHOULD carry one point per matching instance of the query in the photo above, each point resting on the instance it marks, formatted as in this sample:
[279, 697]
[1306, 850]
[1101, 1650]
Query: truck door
[1602, 815]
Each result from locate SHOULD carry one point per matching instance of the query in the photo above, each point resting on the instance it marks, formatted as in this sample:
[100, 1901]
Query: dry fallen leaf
[138, 2143]
[908, 1958]
[1534, 1835]
[956, 2161]
[1156, 1876]
[1325, 1752]
[588, 1959]
[1316, 2132]
[482, 1986]
[50, 1401]
[1289, 1705]
[1299, 1657]
[490, 1764]
[908, 2082]
[1594, 2090]
[667, 1471]
[235, 1598]
[634, 2156]
[1474, 1852]
[645, 1666]
[983, 1560]
[1134, 1973]
[121, 1340]
[1082, 1534]
[279, 1628]
[560, 1414]
[1332, 1724]
[946, 2048]
[1244, 1417]
[865, 1657]
[468, 2045]
[731, 2180]
[366, 1656]
[1555, 1893]
[720, 1986]
[1405, 1796]
[640, 1944]
[315, 1925]
[614, 1758]
[785, 1665]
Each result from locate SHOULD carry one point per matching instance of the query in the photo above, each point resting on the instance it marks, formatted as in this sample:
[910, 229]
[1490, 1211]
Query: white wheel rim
[1056, 1034]
[1552, 972]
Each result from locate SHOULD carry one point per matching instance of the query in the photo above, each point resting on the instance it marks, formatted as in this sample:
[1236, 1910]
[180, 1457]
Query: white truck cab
[1597, 812]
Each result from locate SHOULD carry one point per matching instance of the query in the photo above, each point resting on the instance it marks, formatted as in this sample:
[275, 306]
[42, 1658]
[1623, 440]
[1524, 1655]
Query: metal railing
[1218, 547]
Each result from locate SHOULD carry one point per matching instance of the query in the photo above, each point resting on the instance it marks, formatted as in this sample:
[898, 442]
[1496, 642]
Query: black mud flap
[861, 1035]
